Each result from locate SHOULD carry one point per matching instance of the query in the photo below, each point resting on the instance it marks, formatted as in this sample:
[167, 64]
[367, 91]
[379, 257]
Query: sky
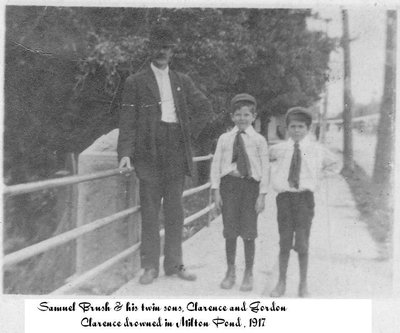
[367, 51]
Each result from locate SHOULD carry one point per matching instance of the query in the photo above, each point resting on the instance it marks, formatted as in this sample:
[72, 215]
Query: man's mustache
[160, 56]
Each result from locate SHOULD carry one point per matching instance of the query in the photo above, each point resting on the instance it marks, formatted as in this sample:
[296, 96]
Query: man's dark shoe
[148, 276]
[184, 274]
[279, 290]
[303, 290]
[247, 283]
[230, 278]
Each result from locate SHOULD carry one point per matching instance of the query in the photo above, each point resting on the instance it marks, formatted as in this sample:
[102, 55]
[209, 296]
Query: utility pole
[322, 130]
[348, 162]
[385, 138]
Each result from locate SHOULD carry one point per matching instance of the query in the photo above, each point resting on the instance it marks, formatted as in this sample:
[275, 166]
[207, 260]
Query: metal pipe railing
[195, 189]
[198, 214]
[96, 270]
[69, 180]
[120, 256]
[202, 158]
[65, 237]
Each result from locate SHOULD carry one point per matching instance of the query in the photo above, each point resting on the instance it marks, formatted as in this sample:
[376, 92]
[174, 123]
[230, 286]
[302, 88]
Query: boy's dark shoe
[279, 290]
[247, 283]
[230, 278]
[148, 276]
[303, 290]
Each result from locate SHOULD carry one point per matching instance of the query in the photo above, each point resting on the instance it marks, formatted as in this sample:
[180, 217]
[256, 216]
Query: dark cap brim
[243, 98]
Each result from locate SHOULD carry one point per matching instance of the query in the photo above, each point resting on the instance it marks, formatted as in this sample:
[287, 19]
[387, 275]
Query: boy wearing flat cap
[162, 110]
[295, 176]
[239, 181]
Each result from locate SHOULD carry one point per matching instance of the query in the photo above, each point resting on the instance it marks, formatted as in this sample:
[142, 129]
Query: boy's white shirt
[315, 159]
[257, 150]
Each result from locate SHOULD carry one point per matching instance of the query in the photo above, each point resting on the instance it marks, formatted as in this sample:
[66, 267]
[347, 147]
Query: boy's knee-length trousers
[295, 214]
[239, 197]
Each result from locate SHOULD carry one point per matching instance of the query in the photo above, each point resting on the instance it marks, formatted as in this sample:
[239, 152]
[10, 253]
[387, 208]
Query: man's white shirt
[168, 111]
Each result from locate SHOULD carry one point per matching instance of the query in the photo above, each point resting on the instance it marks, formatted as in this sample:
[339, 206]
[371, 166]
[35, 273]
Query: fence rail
[65, 237]
[50, 243]
[69, 180]
[353, 120]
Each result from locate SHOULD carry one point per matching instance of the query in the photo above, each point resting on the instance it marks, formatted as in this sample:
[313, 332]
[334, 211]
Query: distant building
[275, 130]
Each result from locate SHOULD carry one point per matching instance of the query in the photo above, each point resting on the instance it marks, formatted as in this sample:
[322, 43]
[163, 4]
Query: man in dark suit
[162, 111]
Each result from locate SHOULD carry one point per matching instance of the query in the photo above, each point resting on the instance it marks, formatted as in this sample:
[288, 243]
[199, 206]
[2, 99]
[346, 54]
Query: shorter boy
[296, 175]
[239, 179]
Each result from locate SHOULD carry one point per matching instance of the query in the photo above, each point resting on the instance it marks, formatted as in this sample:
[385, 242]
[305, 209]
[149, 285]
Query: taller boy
[239, 179]
[161, 110]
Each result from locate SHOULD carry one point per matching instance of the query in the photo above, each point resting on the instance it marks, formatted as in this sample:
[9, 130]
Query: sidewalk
[342, 257]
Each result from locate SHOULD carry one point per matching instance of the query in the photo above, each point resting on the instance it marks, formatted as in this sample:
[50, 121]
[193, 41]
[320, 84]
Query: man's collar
[158, 70]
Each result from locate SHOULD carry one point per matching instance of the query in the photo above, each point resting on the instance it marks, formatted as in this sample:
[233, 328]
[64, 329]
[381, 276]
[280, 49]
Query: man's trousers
[150, 198]
[167, 185]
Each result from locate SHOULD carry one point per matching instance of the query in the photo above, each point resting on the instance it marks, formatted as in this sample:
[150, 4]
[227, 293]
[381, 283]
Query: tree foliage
[65, 68]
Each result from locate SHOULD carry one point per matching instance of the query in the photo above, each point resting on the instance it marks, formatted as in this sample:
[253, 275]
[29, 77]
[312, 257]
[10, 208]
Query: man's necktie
[240, 156]
[295, 165]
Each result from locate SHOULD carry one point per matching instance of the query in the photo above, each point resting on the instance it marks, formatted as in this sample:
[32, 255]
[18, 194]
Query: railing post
[98, 199]
[133, 222]
[66, 208]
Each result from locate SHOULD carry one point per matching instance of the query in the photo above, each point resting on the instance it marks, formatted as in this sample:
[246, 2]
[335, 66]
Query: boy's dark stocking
[303, 265]
[249, 251]
[230, 277]
[230, 247]
[280, 288]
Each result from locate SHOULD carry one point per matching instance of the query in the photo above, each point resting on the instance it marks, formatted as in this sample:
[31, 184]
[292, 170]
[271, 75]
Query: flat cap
[299, 110]
[243, 97]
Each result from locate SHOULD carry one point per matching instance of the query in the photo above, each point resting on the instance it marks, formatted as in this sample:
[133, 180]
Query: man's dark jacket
[141, 114]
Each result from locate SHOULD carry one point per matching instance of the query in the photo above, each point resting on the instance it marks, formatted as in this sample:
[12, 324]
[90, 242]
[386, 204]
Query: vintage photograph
[199, 152]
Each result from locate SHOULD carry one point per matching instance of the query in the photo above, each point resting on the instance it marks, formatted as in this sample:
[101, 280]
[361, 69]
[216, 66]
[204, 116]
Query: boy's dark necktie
[240, 156]
[295, 165]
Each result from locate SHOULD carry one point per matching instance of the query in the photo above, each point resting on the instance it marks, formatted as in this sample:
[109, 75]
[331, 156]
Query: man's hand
[125, 162]
[217, 199]
[260, 203]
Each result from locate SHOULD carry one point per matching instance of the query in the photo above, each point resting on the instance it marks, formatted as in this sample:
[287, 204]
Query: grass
[375, 206]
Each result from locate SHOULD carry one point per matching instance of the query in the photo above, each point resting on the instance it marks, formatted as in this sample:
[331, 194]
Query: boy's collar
[249, 130]
[303, 142]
